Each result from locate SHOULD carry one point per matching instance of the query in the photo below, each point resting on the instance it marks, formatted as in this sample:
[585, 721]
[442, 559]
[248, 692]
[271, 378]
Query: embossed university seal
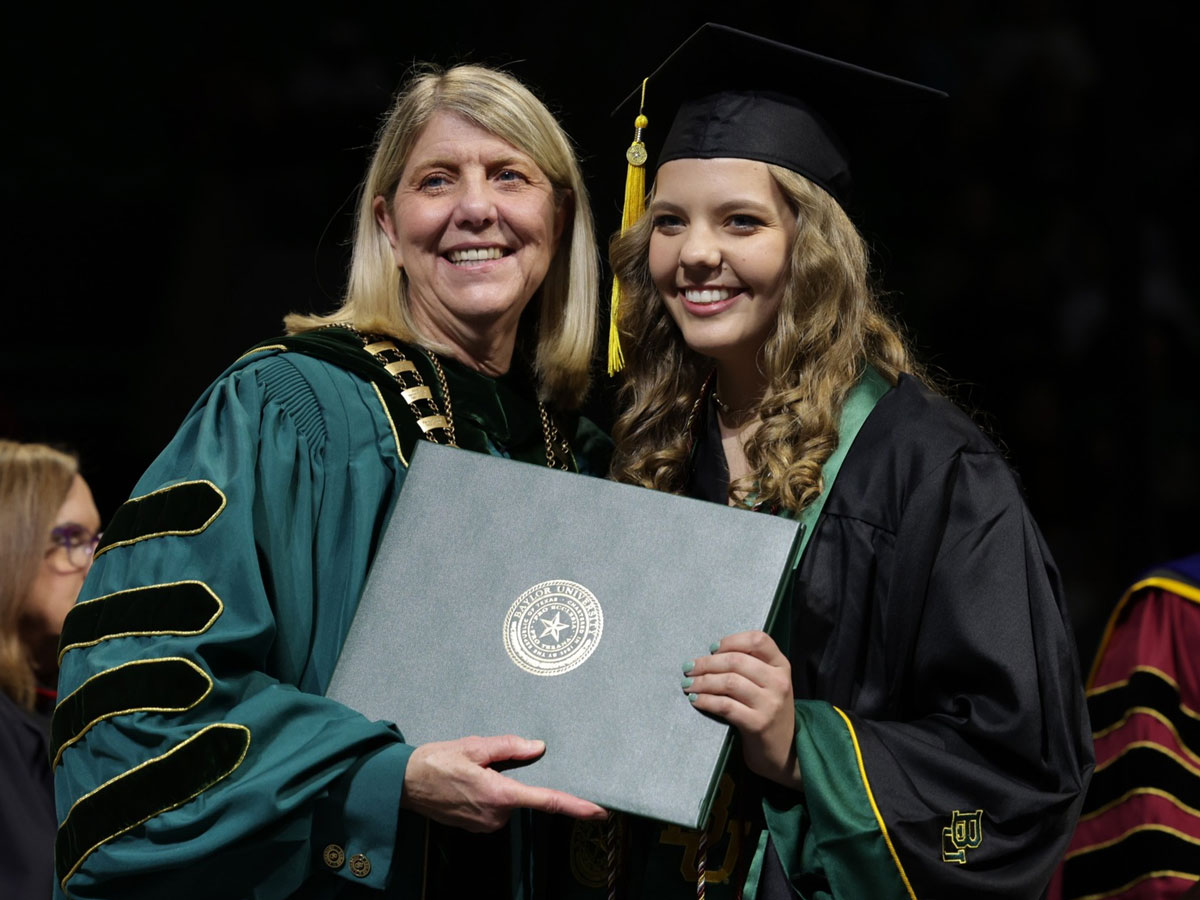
[553, 627]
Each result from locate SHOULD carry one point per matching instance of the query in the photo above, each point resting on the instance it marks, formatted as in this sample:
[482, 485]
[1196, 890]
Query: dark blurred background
[176, 180]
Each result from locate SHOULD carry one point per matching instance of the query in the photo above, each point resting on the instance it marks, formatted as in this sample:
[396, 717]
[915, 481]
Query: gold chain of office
[436, 426]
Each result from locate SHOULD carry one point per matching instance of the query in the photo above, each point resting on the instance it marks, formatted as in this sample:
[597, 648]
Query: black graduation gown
[27, 822]
[941, 726]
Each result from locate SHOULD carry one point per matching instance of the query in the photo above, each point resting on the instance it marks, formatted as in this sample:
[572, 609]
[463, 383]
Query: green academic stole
[858, 405]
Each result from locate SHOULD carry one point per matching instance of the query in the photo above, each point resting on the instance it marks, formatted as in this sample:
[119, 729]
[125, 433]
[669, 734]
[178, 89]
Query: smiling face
[722, 237]
[474, 224]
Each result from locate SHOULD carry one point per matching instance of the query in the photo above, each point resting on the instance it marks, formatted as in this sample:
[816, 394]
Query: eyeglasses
[75, 542]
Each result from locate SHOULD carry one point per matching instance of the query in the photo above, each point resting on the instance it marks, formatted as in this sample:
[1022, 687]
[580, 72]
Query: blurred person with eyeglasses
[49, 528]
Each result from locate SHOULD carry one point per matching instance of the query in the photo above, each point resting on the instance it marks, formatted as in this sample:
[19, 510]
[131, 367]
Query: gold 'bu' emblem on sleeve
[720, 824]
[964, 833]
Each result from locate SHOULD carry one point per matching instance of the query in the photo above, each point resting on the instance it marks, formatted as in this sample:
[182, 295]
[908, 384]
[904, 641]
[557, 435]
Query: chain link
[381, 347]
[551, 436]
[441, 376]
[413, 389]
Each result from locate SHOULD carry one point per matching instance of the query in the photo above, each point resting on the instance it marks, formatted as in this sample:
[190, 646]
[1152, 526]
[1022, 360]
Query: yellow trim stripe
[261, 350]
[392, 424]
[1136, 829]
[862, 771]
[1181, 588]
[108, 637]
[1124, 682]
[1164, 873]
[1146, 670]
[122, 712]
[1147, 745]
[111, 781]
[1153, 714]
[1140, 792]
[158, 534]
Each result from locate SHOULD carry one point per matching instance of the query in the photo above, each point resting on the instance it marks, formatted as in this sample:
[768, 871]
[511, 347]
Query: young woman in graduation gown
[195, 752]
[914, 726]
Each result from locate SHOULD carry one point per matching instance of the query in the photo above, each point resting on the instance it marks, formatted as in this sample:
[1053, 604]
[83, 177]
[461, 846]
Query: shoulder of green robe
[342, 348]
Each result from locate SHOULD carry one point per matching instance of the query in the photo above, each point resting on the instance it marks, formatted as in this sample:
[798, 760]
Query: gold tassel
[635, 205]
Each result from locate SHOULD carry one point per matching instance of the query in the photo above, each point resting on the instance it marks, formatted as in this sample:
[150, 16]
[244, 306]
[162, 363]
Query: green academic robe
[195, 754]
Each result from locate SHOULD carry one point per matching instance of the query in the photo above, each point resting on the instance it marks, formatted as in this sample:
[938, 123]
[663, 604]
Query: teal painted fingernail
[688, 666]
[714, 646]
[692, 698]
[687, 682]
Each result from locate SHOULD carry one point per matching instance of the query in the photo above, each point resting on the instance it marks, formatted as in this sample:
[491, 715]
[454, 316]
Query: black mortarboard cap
[736, 94]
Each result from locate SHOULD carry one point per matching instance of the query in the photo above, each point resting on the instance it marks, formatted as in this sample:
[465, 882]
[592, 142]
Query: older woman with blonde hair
[195, 748]
[380, 294]
[48, 529]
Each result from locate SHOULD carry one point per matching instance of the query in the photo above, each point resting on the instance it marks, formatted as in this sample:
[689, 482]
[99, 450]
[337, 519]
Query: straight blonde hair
[34, 482]
[563, 335]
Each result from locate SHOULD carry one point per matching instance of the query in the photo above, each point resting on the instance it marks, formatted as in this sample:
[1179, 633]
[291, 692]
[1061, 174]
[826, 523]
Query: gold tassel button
[636, 154]
[634, 206]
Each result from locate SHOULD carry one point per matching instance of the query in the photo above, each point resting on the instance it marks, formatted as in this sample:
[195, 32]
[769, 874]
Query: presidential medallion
[595, 849]
[553, 627]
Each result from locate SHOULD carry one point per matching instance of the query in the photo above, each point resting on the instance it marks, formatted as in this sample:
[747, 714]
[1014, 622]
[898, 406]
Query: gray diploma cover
[510, 598]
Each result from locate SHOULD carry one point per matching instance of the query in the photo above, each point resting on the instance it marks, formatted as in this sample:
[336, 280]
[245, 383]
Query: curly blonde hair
[561, 330]
[830, 325]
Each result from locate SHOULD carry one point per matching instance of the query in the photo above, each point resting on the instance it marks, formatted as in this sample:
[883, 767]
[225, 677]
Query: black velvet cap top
[743, 96]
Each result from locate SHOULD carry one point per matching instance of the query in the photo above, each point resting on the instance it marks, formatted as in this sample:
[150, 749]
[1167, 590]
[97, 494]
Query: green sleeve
[193, 731]
[834, 827]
